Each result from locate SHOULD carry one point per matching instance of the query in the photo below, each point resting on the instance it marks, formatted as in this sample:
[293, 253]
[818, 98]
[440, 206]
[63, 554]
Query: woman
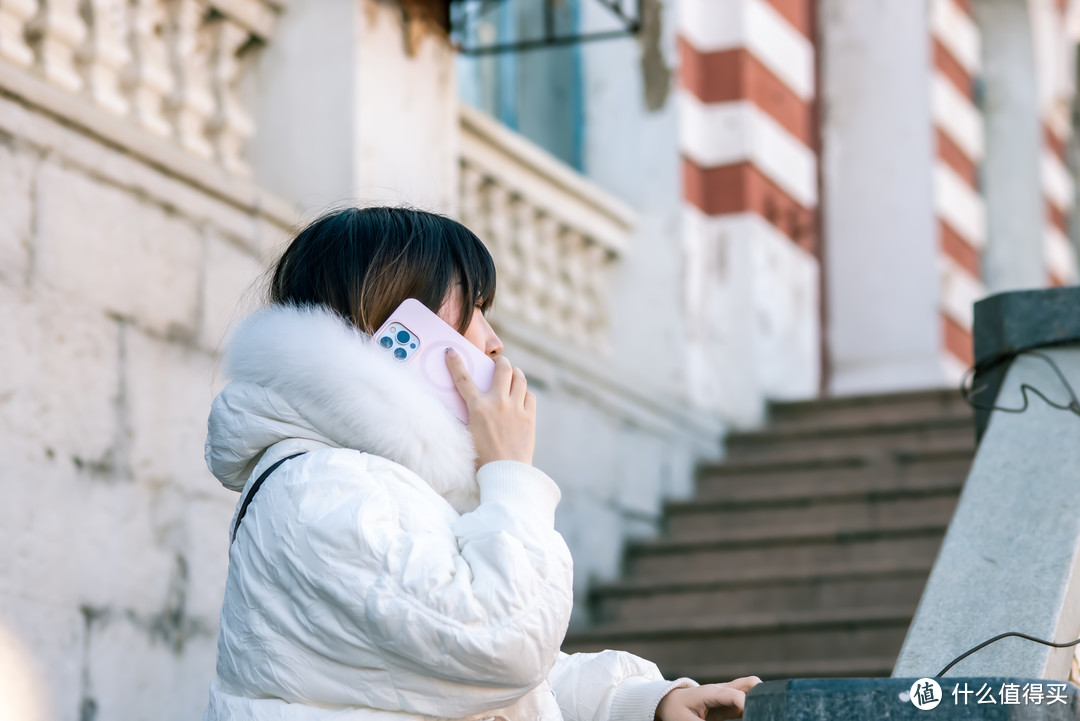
[394, 563]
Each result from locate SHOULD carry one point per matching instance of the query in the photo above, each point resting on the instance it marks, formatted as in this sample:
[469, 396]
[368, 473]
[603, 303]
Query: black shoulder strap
[255, 489]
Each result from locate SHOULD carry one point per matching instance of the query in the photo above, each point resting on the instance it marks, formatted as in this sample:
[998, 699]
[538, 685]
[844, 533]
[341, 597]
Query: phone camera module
[403, 336]
[386, 341]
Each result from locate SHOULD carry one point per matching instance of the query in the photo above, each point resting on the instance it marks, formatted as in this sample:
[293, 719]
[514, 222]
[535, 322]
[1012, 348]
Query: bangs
[477, 269]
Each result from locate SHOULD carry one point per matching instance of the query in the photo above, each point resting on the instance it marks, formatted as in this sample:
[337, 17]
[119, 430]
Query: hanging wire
[962, 656]
[969, 393]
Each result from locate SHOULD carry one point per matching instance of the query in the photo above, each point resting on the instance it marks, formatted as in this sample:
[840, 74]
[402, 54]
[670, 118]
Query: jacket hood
[304, 372]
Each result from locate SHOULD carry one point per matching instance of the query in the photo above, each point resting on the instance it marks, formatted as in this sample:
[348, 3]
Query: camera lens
[403, 336]
[386, 341]
[412, 345]
[400, 354]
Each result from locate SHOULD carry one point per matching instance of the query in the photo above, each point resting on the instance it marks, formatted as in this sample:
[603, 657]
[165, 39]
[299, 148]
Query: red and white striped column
[1056, 83]
[747, 137]
[958, 205]
[747, 131]
[1058, 196]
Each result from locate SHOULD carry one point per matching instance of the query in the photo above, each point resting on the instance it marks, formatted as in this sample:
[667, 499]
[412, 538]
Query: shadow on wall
[22, 694]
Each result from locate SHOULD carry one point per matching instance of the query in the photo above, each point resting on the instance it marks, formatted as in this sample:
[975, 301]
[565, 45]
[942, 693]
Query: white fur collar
[304, 372]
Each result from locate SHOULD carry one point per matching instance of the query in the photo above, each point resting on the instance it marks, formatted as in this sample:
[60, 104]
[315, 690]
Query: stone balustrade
[171, 67]
[554, 235]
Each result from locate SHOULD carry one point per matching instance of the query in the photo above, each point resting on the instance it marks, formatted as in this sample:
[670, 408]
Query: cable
[964, 655]
[969, 393]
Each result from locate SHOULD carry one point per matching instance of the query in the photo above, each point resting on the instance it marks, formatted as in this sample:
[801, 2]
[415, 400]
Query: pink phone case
[418, 338]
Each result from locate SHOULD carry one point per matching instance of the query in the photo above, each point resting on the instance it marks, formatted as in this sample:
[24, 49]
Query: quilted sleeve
[609, 686]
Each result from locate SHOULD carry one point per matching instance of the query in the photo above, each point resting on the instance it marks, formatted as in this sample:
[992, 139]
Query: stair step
[757, 480]
[859, 568]
[776, 670]
[808, 516]
[865, 440]
[855, 410]
[846, 633]
[638, 604]
[663, 560]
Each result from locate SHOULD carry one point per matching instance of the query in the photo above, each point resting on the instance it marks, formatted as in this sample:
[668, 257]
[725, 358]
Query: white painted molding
[1060, 255]
[711, 25]
[725, 133]
[958, 32]
[743, 225]
[1057, 181]
[958, 204]
[957, 116]
[143, 146]
[959, 291]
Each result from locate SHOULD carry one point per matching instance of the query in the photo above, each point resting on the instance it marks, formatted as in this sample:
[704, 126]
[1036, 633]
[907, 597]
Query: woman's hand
[712, 702]
[503, 420]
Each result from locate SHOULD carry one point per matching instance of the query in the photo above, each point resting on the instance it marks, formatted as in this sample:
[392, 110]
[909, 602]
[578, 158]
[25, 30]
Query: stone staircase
[803, 554]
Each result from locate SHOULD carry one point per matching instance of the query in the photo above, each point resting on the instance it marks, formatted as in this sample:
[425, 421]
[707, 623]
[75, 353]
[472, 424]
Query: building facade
[748, 201]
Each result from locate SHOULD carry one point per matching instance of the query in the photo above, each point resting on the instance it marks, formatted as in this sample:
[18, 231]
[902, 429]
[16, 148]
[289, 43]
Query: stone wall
[117, 283]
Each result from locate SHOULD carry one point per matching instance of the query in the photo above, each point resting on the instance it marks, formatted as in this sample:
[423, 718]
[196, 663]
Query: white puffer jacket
[379, 576]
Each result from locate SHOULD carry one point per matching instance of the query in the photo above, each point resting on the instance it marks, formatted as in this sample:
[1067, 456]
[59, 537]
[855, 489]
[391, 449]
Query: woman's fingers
[501, 382]
[462, 381]
[502, 420]
[722, 702]
[518, 387]
[711, 702]
[744, 684]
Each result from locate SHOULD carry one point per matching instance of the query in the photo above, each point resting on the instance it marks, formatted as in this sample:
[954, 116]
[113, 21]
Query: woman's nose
[494, 345]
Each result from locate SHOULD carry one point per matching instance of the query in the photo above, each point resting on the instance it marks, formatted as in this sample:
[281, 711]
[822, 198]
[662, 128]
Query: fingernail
[451, 351]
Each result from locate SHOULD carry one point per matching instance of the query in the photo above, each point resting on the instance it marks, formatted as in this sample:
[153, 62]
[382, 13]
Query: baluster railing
[171, 67]
[149, 77]
[553, 234]
[192, 102]
[58, 31]
[106, 53]
[14, 16]
[230, 126]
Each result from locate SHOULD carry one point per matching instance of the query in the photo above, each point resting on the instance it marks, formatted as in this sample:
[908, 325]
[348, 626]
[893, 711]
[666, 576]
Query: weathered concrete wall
[117, 283]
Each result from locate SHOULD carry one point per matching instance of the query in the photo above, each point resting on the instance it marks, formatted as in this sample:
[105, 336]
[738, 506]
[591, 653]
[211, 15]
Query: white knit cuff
[520, 485]
[636, 699]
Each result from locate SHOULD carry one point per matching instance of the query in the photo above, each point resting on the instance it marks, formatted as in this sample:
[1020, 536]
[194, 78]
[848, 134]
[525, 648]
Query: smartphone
[418, 338]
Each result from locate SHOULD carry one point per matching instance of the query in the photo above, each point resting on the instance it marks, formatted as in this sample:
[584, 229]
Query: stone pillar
[356, 104]
[904, 221]
[1011, 556]
[1012, 183]
[877, 150]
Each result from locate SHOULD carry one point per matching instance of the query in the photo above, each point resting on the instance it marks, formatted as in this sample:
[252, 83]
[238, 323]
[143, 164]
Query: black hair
[363, 262]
